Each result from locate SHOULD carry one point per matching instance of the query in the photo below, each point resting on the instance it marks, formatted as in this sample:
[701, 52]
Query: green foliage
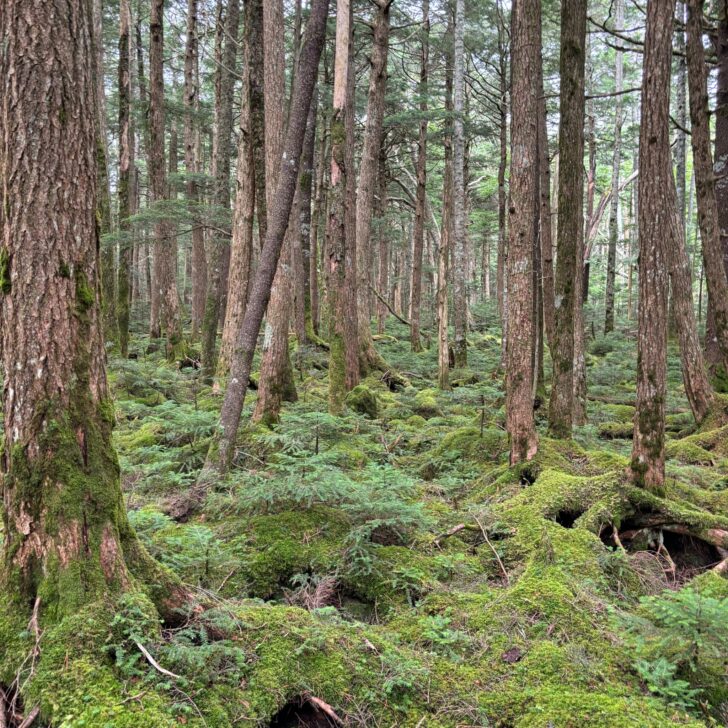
[680, 644]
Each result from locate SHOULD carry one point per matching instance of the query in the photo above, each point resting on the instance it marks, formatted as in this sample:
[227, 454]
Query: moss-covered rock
[363, 400]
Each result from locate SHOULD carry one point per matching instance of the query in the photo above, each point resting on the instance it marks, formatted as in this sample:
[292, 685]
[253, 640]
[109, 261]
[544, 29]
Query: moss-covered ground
[390, 564]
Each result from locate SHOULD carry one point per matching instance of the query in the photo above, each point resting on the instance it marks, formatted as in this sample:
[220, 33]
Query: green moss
[362, 400]
[5, 283]
[276, 547]
[426, 405]
[470, 443]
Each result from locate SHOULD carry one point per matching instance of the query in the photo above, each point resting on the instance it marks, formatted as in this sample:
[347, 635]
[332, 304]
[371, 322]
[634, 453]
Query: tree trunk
[276, 383]
[571, 215]
[241, 252]
[385, 246]
[443, 258]
[305, 190]
[165, 245]
[460, 257]
[127, 177]
[339, 200]
[108, 250]
[545, 238]
[616, 162]
[656, 210]
[66, 537]
[526, 44]
[369, 358]
[222, 449]
[193, 168]
[715, 272]
[218, 253]
[712, 349]
[421, 194]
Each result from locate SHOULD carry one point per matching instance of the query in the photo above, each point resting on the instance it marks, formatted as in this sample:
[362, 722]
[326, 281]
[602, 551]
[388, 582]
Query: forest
[365, 363]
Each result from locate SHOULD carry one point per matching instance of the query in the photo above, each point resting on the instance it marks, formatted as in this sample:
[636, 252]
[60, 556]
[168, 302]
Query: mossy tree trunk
[571, 214]
[127, 177]
[522, 209]
[418, 233]
[459, 242]
[369, 358]
[708, 214]
[446, 238]
[222, 448]
[614, 228]
[656, 208]
[192, 143]
[241, 253]
[168, 323]
[218, 252]
[336, 233]
[713, 353]
[276, 383]
[66, 540]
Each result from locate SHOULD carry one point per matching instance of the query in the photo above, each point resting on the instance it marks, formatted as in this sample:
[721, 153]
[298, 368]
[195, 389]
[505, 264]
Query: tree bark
[616, 163]
[218, 252]
[571, 215]
[222, 449]
[276, 383]
[127, 177]
[443, 258]
[336, 234]
[192, 167]
[545, 238]
[66, 536]
[460, 257]
[241, 246]
[165, 245]
[421, 194]
[369, 358]
[526, 44]
[657, 208]
[712, 349]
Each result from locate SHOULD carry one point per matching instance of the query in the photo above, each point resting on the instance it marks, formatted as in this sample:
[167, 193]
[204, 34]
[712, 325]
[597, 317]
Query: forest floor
[388, 568]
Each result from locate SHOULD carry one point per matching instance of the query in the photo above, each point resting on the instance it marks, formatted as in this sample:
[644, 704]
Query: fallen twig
[495, 553]
[154, 663]
[325, 708]
[30, 718]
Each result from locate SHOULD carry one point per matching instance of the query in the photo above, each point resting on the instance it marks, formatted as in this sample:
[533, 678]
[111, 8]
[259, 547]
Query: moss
[425, 404]
[362, 400]
[5, 282]
[615, 430]
[470, 443]
[276, 547]
[85, 297]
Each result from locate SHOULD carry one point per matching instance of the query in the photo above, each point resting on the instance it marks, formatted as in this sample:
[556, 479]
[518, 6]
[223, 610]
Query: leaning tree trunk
[165, 245]
[571, 215]
[418, 233]
[526, 43]
[66, 540]
[704, 179]
[276, 383]
[127, 192]
[616, 163]
[460, 257]
[222, 449]
[656, 200]
[369, 358]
